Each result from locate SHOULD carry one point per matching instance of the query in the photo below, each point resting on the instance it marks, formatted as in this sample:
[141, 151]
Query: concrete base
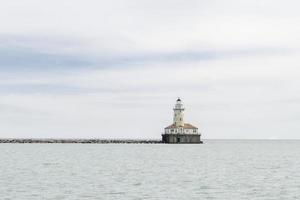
[181, 138]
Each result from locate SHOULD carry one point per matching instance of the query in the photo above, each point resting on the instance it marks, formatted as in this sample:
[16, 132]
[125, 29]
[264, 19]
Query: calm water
[215, 170]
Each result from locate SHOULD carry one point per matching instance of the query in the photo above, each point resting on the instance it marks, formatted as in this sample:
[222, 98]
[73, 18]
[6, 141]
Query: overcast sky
[113, 69]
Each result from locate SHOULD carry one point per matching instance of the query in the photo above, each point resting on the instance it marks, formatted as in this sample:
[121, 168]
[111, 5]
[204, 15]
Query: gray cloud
[12, 59]
[35, 54]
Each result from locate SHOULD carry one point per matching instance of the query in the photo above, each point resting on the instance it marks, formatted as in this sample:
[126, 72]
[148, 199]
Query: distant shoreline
[82, 141]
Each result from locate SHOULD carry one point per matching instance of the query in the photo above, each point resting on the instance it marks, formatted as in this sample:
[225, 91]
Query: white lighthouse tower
[179, 131]
[178, 113]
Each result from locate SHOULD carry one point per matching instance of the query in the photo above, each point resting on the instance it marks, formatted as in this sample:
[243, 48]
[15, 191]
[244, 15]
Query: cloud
[38, 53]
[12, 59]
[30, 53]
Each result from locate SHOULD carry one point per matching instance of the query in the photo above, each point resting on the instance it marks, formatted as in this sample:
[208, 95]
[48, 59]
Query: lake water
[215, 170]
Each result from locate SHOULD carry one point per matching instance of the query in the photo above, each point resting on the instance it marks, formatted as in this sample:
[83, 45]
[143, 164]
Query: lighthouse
[178, 114]
[179, 131]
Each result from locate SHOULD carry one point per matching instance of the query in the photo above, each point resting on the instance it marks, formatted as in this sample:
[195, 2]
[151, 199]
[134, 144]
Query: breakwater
[82, 141]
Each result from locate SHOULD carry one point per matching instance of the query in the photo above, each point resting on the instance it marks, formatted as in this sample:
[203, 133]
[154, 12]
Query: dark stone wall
[181, 138]
[84, 141]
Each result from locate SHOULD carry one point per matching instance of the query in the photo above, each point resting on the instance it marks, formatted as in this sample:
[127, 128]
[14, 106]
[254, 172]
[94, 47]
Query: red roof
[186, 126]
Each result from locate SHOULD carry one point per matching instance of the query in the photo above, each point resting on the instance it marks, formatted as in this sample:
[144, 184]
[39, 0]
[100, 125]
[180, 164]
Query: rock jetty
[82, 141]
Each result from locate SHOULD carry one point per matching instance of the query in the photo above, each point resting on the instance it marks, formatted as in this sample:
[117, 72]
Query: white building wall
[181, 131]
